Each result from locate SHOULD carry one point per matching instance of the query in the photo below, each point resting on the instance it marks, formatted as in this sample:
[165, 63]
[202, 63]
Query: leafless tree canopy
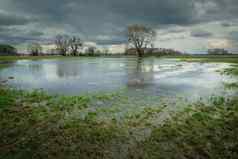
[140, 37]
[75, 43]
[62, 44]
[34, 49]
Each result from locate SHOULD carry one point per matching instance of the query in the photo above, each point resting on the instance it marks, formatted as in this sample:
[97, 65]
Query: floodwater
[149, 76]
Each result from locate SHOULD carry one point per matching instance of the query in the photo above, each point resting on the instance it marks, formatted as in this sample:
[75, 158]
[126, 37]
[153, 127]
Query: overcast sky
[186, 25]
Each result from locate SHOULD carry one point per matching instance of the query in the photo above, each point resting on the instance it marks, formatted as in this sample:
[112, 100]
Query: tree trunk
[74, 53]
[64, 52]
[140, 52]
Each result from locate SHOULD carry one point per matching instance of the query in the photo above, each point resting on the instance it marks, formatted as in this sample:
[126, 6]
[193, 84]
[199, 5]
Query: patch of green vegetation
[45, 57]
[143, 117]
[37, 125]
[14, 58]
[209, 58]
[6, 99]
[189, 58]
[231, 71]
[202, 131]
[231, 85]
[4, 65]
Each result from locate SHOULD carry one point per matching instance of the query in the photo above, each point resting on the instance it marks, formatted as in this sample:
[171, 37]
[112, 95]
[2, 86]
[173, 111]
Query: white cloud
[219, 43]
[196, 38]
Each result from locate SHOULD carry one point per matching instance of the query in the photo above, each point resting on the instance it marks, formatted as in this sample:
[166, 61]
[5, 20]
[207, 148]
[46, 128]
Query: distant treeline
[154, 51]
[218, 51]
[35, 49]
[6, 49]
[140, 42]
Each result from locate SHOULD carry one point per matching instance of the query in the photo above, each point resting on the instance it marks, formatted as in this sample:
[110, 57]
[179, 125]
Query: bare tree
[62, 44]
[140, 37]
[75, 43]
[34, 49]
[98, 52]
[105, 51]
[91, 50]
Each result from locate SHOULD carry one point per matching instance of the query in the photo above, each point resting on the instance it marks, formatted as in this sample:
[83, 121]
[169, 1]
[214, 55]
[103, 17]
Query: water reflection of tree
[66, 70]
[35, 68]
[140, 72]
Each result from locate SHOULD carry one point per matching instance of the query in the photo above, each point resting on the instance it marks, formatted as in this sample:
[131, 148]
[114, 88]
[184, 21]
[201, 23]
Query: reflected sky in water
[150, 76]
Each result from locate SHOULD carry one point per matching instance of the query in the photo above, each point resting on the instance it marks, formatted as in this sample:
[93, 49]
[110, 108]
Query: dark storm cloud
[220, 9]
[233, 35]
[201, 34]
[35, 33]
[226, 24]
[18, 36]
[92, 18]
[156, 12]
[7, 19]
[112, 41]
[152, 11]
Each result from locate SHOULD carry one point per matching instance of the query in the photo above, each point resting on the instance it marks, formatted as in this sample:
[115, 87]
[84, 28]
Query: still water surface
[150, 76]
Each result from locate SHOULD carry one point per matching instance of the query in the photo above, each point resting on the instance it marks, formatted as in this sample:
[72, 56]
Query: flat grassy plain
[207, 58]
[37, 125]
[14, 58]
[210, 59]
[202, 58]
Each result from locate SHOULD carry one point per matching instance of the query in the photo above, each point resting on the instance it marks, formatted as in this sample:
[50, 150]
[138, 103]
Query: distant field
[206, 58]
[12, 58]
[195, 57]
[202, 56]
[211, 58]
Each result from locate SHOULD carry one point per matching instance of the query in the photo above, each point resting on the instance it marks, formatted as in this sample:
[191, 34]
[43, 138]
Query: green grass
[205, 58]
[37, 125]
[210, 58]
[202, 131]
[231, 71]
[3, 66]
[6, 99]
[233, 85]
[14, 58]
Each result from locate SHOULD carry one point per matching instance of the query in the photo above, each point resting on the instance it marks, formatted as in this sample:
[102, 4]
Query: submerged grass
[231, 71]
[231, 85]
[3, 65]
[202, 131]
[209, 58]
[37, 125]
